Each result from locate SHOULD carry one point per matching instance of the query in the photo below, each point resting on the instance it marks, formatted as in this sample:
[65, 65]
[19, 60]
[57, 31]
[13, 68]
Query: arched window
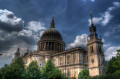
[99, 49]
[91, 49]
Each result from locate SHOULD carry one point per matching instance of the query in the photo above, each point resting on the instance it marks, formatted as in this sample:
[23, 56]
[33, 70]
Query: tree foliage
[114, 64]
[84, 74]
[33, 71]
[49, 71]
[110, 68]
[0, 74]
[106, 76]
[17, 70]
[14, 70]
[118, 50]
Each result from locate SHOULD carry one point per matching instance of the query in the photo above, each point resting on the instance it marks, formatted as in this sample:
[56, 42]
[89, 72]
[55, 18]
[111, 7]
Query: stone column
[54, 46]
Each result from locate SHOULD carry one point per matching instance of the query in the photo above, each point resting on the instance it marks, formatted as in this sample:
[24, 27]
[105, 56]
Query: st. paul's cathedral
[71, 61]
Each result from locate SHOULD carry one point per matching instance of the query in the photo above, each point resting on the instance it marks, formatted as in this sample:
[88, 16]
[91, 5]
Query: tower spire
[52, 23]
[91, 18]
[92, 28]
[18, 51]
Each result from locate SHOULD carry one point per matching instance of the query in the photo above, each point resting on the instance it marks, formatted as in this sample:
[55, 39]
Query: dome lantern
[52, 23]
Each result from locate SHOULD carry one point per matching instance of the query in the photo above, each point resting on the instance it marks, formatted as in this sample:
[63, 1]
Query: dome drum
[51, 45]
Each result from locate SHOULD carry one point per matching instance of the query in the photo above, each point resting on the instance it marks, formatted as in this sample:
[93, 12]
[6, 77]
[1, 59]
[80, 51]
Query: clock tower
[95, 52]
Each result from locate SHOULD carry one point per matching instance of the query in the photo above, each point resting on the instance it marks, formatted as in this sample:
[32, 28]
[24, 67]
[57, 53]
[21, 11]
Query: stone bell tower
[95, 52]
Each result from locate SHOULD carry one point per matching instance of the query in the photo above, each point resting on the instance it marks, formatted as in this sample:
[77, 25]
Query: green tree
[4, 72]
[49, 71]
[118, 50]
[32, 71]
[17, 68]
[0, 74]
[84, 74]
[116, 64]
[110, 68]
[14, 71]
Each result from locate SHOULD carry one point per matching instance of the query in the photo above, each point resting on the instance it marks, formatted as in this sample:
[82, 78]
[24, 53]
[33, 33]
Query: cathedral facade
[71, 61]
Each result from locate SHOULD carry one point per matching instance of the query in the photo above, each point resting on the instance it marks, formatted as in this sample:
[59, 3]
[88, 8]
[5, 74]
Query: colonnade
[51, 46]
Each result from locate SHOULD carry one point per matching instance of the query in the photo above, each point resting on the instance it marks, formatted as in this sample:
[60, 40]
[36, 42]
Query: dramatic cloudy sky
[22, 23]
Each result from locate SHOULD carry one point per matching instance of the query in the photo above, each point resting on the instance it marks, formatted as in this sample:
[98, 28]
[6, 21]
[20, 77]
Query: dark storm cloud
[14, 39]
[5, 45]
[69, 14]
[28, 40]
[11, 28]
[9, 22]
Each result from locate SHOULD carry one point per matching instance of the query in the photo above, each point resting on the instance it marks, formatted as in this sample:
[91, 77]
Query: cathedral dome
[52, 34]
[51, 40]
